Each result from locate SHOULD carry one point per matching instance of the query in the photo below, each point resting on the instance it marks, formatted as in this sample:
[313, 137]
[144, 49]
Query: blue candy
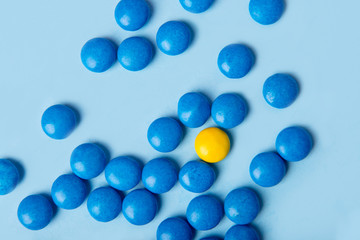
[267, 169]
[280, 90]
[242, 205]
[204, 212]
[140, 207]
[294, 143]
[88, 160]
[123, 173]
[211, 238]
[174, 229]
[266, 12]
[98, 54]
[196, 6]
[35, 212]
[173, 37]
[68, 191]
[165, 134]
[58, 121]
[193, 109]
[229, 110]
[135, 53]
[197, 176]
[242, 232]
[9, 176]
[104, 204]
[132, 15]
[235, 60]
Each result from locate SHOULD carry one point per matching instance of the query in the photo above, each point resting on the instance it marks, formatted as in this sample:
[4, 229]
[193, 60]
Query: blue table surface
[316, 41]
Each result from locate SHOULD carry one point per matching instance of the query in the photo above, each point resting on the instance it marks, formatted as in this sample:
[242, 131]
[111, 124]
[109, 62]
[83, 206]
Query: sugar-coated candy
[9, 176]
[235, 60]
[98, 54]
[165, 134]
[194, 109]
[242, 232]
[88, 160]
[35, 212]
[159, 175]
[173, 37]
[197, 176]
[196, 6]
[131, 15]
[140, 207]
[58, 121]
[294, 143]
[266, 12]
[267, 169]
[174, 228]
[211, 238]
[204, 212]
[123, 173]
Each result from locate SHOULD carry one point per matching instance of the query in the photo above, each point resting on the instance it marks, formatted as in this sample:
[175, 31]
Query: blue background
[316, 41]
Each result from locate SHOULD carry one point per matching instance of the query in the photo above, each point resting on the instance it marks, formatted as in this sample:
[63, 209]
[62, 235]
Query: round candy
[280, 90]
[98, 54]
[294, 143]
[104, 204]
[165, 134]
[135, 53]
[123, 173]
[68, 191]
[58, 121]
[131, 15]
[140, 207]
[204, 212]
[35, 212]
[229, 110]
[173, 37]
[212, 145]
[159, 175]
[267, 169]
[88, 160]
[193, 109]
[235, 60]
[9, 176]
[266, 12]
[211, 238]
[242, 205]
[174, 229]
[196, 6]
[197, 176]
[242, 232]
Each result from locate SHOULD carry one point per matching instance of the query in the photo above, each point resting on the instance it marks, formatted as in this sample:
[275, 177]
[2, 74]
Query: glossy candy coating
[88, 160]
[9, 176]
[193, 109]
[35, 212]
[98, 54]
[267, 169]
[211, 238]
[266, 12]
[294, 143]
[235, 60]
[131, 15]
[197, 176]
[196, 6]
[174, 229]
[242, 232]
[173, 37]
[58, 121]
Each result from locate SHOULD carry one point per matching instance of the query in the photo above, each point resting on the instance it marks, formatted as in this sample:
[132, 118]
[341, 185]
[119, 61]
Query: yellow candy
[212, 145]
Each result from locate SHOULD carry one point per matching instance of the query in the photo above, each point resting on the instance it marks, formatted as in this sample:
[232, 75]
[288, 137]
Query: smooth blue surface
[123, 173]
[266, 12]
[173, 37]
[9, 176]
[194, 109]
[131, 15]
[159, 175]
[211, 238]
[196, 6]
[240, 232]
[58, 121]
[294, 143]
[197, 176]
[174, 229]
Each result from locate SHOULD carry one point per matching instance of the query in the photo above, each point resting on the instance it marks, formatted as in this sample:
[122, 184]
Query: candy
[9, 176]
[235, 60]
[212, 145]
[132, 15]
[173, 37]
[294, 143]
[174, 229]
[196, 176]
[159, 175]
[35, 212]
[242, 232]
[266, 12]
[98, 54]
[58, 121]
[211, 238]
[196, 6]
[104, 204]
[193, 109]
[123, 173]
[88, 160]
[267, 169]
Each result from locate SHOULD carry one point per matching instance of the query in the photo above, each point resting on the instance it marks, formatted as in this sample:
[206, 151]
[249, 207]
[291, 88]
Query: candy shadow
[215, 167]
[192, 32]
[76, 112]
[254, 55]
[53, 205]
[257, 230]
[151, 12]
[193, 230]
[230, 135]
[19, 167]
[105, 148]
